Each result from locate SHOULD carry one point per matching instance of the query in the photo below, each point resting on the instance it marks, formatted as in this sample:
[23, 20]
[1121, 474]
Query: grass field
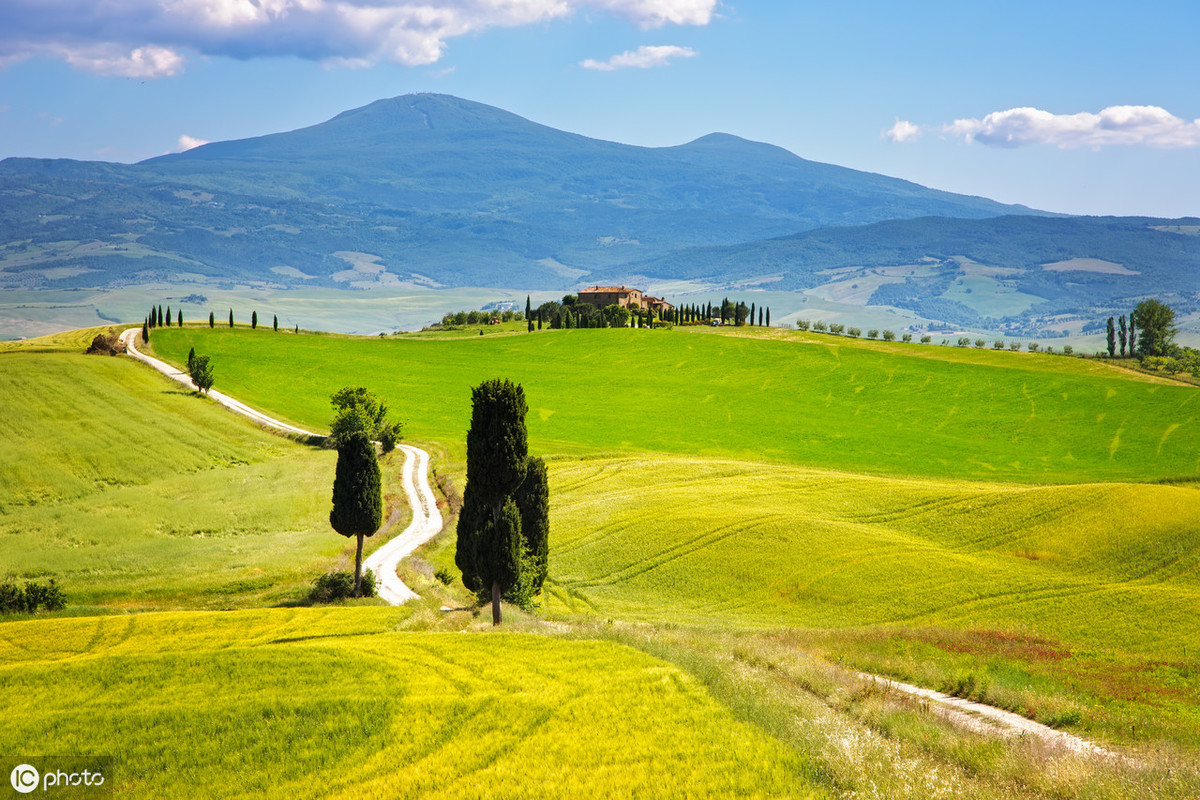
[791, 398]
[333, 703]
[134, 493]
[924, 580]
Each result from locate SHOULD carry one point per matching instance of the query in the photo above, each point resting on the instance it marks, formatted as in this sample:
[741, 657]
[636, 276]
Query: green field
[770, 512]
[792, 398]
[316, 703]
[134, 493]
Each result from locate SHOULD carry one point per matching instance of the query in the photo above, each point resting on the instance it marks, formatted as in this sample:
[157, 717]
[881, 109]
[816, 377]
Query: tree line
[571, 313]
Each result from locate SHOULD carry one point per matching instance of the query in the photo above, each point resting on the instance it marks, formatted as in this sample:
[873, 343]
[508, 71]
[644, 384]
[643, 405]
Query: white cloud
[903, 131]
[147, 38]
[1117, 125]
[642, 58]
[188, 142]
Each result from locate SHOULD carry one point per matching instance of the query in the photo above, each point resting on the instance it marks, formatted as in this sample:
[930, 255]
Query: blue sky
[1068, 106]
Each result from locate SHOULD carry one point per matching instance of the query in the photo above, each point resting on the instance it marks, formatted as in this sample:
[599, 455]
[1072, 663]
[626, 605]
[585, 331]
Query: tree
[616, 316]
[533, 503]
[1157, 323]
[1132, 337]
[760, 317]
[211, 320]
[168, 316]
[231, 317]
[357, 496]
[528, 314]
[1112, 338]
[160, 316]
[752, 313]
[1124, 333]
[768, 316]
[179, 318]
[275, 322]
[497, 463]
[357, 410]
[253, 320]
[191, 358]
[145, 331]
[201, 373]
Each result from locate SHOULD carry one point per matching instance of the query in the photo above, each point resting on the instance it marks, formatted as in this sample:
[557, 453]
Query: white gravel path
[426, 522]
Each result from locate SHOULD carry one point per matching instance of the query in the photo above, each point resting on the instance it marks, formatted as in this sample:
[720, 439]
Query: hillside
[1027, 275]
[422, 189]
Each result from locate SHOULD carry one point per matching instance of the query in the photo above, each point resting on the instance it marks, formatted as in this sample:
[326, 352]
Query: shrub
[45, 596]
[889, 336]
[801, 324]
[1014, 345]
[980, 342]
[964, 341]
[1067, 349]
[837, 327]
[855, 332]
[108, 344]
[906, 337]
[445, 576]
[334, 586]
[820, 325]
[926, 339]
[1032, 347]
[997, 345]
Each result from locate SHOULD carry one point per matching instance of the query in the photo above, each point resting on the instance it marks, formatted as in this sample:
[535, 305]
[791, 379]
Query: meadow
[788, 397]
[336, 703]
[135, 493]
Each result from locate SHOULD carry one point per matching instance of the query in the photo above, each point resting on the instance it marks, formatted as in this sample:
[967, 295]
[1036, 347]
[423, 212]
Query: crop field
[134, 493]
[302, 703]
[1095, 585]
[787, 398]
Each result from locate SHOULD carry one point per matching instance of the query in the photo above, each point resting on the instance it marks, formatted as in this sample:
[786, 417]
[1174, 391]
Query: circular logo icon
[24, 778]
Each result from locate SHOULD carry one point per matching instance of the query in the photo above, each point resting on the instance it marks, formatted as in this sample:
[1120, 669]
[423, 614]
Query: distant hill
[1019, 273]
[428, 189]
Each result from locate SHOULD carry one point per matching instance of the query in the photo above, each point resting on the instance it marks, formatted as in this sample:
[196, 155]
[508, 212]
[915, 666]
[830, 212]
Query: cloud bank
[149, 38]
[188, 142]
[642, 58]
[1115, 126]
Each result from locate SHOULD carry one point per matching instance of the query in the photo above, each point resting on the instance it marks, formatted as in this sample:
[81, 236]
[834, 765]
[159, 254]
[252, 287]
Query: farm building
[601, 296]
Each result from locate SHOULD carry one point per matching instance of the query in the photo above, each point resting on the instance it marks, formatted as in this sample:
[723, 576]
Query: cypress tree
[528, 315]
[211, 320]
[150, 319]
[168, 316]
[751, 318]
[357, 496]
[497, 463]
[275, 322]
[253, 320]
[760, 317]
[539, 319]
[533, 503]
[145, 330]
[179, 320]
[297, 329]
[1112, 338]
[1133, 348]
[191, 359]
[231, 317]
[768, 316]
[160, 317]
[1124, 332]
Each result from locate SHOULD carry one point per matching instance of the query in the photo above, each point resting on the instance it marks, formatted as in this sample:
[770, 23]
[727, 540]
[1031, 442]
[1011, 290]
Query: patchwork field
[789, 398]
[318, 703]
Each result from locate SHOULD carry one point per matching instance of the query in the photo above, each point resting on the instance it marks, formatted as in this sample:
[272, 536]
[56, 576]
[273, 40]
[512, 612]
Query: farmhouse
[601, 296]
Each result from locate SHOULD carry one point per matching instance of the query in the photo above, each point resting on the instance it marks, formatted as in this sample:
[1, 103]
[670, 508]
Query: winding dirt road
[426, 521]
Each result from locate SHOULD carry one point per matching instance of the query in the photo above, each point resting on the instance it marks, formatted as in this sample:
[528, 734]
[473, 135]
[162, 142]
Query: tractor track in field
[427, 522]
[426, 519]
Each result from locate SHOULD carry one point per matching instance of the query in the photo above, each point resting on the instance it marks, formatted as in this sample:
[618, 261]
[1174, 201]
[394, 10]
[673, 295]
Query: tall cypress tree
[1112, 338]
[489, 523]
[231, 317]
[168, 316]
[752, 314]
[275, 322]
[1133, 342]
[179, 320]
[212, 321]
[533, 503]
[160, 316]
[357, 495]
[1124, 333]
[768, 316]
[146, 330]
[760, 317]
[528, 315]
[253, 320]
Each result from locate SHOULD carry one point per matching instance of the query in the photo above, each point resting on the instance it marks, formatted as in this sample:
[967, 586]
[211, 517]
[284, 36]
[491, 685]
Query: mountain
[428, 189]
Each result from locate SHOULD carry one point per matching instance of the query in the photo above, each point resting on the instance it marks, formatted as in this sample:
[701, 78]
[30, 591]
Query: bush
[444, 576]
[997, 345]
[1067, 349]
[837, 327]
[964, 341]
[108, 344]
[1033, 347]
[820, 325]
[980, 343]
[44, 596]
[889, 336]
[906, 337]
[926, 339]
[873, 333]
[334, 586]
[801, 324]
[855, 332]
[1014, 345]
